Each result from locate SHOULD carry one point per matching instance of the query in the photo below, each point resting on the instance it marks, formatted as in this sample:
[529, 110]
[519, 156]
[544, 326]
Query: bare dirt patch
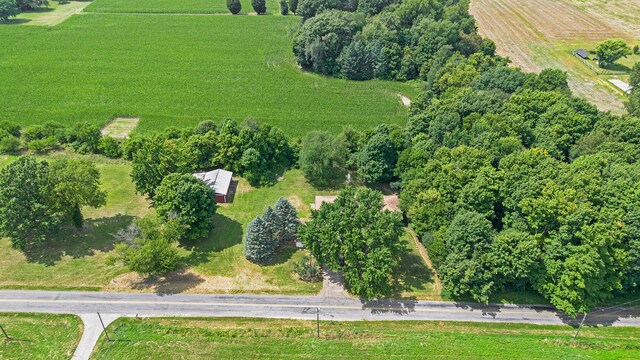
[405, 100]
[189, 281]
[541, 34]
[120, 127]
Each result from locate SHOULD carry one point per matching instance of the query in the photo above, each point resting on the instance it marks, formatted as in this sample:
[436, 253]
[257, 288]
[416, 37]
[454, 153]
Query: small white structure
[219, 180]
[621, 85]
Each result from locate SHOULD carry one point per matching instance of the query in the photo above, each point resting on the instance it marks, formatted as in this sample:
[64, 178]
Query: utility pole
[318, 321]
[104, 328]
[579, 327]
[5, 333]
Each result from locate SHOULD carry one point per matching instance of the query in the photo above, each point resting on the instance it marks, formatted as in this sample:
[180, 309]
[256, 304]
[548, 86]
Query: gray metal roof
[582, 53]
[219, 180]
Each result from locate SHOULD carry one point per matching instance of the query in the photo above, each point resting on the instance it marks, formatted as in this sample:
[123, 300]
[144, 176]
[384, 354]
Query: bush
[10, 127]
[84, 137]
[284, 7]
[307, 269]
[147, 247]
[259, 6]
[43, 145]
[110, 147]
[234, 6]
[8, 142]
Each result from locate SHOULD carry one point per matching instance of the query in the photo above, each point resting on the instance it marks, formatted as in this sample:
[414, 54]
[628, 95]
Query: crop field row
[177, 70]
[543, 33]
[173, 6]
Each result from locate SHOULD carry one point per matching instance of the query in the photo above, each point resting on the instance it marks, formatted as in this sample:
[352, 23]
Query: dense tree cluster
[258, 152]
[385, 39]
[513, 183]
[276, 227]
[11, 8]
[38, 197]
[354, 235]
[82, 137]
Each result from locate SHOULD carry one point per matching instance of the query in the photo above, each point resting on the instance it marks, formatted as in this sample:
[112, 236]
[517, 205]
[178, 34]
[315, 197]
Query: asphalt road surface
[298, 307]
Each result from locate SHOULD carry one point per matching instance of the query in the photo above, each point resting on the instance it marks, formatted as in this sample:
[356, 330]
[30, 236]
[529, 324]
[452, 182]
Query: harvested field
[541, 34]
[120, 128]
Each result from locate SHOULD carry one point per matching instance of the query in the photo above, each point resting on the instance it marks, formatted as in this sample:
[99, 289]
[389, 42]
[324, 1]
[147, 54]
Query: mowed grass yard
[173, 6]
[216, 264]
[177, 70]
[198, 338]
[39, 336]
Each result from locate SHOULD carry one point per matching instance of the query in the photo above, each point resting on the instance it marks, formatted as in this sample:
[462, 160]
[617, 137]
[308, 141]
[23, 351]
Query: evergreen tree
[273, 223]
[259, 243]
[288, 217]
[259, 6]
[234, 6]
[293, 6]
[284, 7]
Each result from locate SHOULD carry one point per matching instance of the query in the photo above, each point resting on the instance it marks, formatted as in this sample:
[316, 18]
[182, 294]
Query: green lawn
[76, 260]
[198, 338]
[216, 264]
[176, 70]
[39, 336]
[174, 6]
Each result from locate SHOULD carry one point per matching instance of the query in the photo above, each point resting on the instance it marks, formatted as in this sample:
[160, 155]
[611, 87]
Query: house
[583, 54]
[219, 180]
[391, 202]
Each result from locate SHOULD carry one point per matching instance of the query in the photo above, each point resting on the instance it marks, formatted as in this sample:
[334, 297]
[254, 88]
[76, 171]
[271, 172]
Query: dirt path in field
[535, 34]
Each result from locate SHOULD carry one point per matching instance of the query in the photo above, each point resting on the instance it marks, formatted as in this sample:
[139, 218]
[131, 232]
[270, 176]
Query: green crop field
[176, 70]
[197, 338]
[39, 336]
[173, 6]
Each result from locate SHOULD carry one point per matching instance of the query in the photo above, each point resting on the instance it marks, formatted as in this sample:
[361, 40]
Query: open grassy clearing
[39, 336]
[541, 34]
[173, 6]
[52, 15]
[214, 265]
[196, 338]
[177, 70]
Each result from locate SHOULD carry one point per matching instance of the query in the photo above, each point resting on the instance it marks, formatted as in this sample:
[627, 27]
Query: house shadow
[95, 235]
[226, 233]
[233, 187]
[172, 283]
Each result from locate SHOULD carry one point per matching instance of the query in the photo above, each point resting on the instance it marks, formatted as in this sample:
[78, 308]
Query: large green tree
[354, 235]
[25, 196]
[152, 162]
[76, 183]
[323, 158]
[188, 200]
[610, 51]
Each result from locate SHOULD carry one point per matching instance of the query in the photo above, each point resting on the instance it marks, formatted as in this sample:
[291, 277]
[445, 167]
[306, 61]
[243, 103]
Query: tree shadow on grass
[95, 235]
[225, 234]
[283, 255]
[172, 283]
[15, 21]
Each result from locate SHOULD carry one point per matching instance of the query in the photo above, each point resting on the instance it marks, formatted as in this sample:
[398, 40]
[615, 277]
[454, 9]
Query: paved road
[298, 307]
